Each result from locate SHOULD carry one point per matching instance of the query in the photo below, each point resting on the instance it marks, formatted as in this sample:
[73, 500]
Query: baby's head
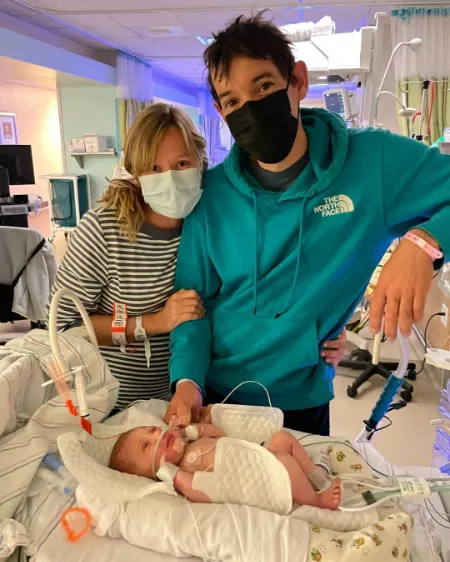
[133, 451]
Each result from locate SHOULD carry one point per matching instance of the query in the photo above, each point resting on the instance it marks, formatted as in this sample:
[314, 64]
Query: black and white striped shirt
[102, 267]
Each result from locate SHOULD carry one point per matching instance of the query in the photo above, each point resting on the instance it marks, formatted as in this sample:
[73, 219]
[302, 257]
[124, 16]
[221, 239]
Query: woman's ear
[300, 73]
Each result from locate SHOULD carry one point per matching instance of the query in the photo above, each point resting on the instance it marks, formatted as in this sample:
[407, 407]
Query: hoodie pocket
[256, 344]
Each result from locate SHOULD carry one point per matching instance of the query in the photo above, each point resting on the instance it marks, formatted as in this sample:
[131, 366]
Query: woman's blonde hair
[147, 131]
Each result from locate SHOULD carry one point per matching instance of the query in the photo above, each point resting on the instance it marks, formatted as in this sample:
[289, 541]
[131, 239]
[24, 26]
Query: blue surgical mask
[173, 194]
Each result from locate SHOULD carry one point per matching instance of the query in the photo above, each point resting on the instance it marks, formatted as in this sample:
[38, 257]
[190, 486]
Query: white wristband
[191, 432]
[140, 335]
[167, 472]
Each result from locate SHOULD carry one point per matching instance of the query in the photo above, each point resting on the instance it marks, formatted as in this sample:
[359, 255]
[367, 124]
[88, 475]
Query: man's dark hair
[253, 37]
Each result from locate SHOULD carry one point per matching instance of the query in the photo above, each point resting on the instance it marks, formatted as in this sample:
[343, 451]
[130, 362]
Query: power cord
[425, 337]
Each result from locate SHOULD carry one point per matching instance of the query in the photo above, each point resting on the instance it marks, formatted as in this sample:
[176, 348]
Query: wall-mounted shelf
[79, 156]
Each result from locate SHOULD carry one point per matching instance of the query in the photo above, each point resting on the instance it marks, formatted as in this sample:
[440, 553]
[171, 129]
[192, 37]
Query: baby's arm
[196, 431]
[183, 485]
[182, 482]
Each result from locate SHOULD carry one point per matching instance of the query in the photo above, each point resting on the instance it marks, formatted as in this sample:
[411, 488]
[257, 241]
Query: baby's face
[134, 450]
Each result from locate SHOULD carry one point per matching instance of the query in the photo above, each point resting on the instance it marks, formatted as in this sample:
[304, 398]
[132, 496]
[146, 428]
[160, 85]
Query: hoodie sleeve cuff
[181, 371]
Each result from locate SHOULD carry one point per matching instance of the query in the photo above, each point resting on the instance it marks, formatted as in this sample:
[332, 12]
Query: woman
[124, 253]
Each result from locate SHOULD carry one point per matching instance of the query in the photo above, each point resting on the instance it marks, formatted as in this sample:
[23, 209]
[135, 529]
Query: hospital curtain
[134, 91]
[210, 125]
[431, 62]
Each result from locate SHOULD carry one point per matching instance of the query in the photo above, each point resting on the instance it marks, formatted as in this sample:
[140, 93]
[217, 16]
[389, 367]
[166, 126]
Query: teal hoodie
[281, 273]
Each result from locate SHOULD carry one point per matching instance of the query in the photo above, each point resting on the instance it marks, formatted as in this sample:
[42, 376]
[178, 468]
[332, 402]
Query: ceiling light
[205, 40]
[323, 77]
[160, 32]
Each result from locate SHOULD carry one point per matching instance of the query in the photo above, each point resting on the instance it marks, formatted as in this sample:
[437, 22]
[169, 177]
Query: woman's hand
[185, 405]
[180, 307]
[334, 350]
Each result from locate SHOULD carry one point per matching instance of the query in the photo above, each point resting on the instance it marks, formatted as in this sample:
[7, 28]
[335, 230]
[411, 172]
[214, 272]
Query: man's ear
[219, 109]
[300, 74]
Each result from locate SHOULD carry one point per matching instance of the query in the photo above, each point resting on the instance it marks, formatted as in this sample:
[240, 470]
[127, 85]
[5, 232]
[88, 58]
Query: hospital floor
[409, 441]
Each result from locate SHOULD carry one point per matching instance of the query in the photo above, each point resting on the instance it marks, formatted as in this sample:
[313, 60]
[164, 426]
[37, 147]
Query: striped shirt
[102, 267]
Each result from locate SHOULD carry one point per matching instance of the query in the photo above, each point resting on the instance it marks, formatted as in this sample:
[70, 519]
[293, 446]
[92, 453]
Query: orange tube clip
[72, 535]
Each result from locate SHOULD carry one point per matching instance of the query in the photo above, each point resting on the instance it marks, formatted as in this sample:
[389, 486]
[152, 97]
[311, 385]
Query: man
[288, 231]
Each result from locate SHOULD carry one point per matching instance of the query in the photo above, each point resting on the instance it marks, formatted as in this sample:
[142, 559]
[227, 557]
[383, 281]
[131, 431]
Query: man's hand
[333, 351]
[402, 288]
[185, 406]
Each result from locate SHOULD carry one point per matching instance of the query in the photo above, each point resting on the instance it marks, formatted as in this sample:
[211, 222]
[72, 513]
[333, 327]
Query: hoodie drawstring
[297, 265]
[256, 272]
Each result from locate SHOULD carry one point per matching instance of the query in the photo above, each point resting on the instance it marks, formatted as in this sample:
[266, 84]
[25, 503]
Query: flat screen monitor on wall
[18, 160]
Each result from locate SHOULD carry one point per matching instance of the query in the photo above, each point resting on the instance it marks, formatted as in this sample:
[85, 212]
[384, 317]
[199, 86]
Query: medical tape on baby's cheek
[179, 445]
[155, 450]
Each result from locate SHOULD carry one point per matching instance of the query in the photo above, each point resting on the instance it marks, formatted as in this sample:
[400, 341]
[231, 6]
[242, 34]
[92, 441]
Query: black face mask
[265, 128]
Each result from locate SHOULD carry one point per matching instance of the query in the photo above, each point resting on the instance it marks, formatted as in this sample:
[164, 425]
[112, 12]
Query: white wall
[37, 121]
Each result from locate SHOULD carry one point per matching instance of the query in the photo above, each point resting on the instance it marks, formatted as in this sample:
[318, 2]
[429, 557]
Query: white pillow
[87, 458]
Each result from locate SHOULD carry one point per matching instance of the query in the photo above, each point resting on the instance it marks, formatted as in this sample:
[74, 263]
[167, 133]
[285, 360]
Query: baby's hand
[205, 414]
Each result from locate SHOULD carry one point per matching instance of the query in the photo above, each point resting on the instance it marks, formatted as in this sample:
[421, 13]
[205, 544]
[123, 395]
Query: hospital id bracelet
[119, 325]
[434, 253]
[140, 335]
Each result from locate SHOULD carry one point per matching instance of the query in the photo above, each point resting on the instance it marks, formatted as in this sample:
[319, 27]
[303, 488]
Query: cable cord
[425, 338]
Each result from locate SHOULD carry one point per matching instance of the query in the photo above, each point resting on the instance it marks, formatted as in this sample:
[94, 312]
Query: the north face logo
[335, 206]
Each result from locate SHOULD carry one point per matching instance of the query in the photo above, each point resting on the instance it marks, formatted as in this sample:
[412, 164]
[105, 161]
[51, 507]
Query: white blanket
[32, 418]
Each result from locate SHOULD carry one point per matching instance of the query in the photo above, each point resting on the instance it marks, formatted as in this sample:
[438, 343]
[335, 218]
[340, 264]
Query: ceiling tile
[129, 5]
[142, 47]
[112, 32]
[42, 21]
[80, 38]
[154, 19]
[13, 9]
[175, 31]
[205, 23]
[91, 20]
[63, 6]
[164, 46]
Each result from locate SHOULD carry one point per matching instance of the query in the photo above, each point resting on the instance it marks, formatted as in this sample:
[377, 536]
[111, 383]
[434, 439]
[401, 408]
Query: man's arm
[416, 189]
[190, 343]
[416, 195]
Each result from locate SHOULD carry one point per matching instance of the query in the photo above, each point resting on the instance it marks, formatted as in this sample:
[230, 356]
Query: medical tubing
[385, 400]
[391, 388]
[155, 450]
[52, 324]
[248, 382]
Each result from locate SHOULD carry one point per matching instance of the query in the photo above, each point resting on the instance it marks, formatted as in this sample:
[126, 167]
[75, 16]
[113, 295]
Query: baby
[143, 451]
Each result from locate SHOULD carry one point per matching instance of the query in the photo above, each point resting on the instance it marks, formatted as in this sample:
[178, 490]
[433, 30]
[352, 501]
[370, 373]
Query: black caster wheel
[412, 375]
[407, 396]
[351, 392]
